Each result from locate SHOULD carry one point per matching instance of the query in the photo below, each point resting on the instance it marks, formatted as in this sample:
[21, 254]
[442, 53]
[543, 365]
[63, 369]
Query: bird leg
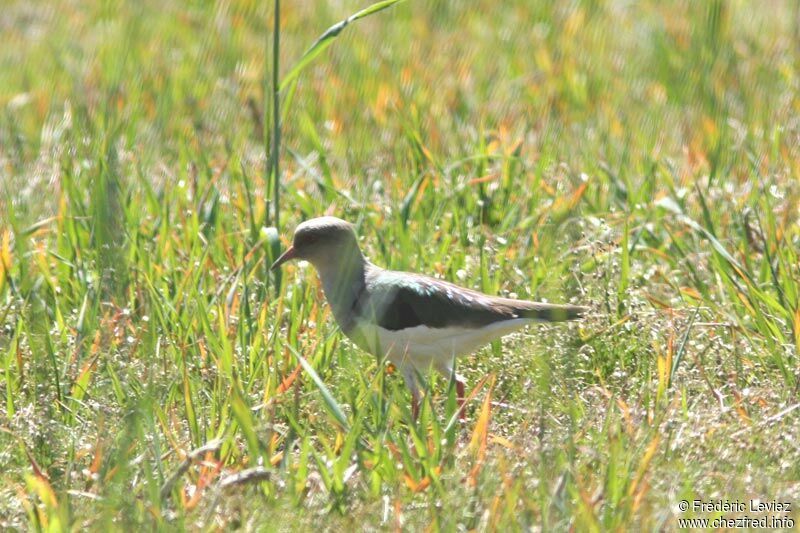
[448, 369]
[460, 385]
[411, 382]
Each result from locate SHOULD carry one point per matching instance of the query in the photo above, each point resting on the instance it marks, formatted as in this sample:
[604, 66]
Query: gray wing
[400, 300]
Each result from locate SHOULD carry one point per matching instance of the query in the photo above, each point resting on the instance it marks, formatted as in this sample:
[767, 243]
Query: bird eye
[307, 239]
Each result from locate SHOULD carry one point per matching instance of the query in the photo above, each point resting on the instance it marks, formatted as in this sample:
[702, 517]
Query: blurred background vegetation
[639, 156]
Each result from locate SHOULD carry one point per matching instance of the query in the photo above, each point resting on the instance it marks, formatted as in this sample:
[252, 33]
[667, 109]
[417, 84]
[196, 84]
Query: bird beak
[286, 256]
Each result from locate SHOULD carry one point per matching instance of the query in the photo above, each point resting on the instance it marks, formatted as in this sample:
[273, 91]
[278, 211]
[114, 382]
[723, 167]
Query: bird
[415, 321]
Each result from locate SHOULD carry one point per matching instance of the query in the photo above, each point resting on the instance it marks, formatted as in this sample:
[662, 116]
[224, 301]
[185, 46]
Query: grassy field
[640, 157]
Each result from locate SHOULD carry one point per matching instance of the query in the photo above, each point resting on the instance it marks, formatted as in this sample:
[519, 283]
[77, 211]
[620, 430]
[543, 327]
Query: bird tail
[552, 312]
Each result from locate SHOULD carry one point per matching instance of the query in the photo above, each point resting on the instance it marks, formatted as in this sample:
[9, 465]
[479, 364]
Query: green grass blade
[330, 401]
[326, 39]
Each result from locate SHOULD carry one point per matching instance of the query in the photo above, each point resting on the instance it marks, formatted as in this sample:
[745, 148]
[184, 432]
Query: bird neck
[343, 281]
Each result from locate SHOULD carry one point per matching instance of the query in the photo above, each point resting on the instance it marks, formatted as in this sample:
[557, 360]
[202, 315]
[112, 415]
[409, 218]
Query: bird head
[321, 241]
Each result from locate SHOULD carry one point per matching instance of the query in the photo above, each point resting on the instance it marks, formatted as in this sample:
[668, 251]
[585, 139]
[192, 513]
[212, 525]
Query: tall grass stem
[276, 115]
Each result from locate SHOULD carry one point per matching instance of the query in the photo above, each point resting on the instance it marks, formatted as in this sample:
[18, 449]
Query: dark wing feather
[400, 300]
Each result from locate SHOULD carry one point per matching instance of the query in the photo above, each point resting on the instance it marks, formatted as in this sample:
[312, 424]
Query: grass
[640, 157]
